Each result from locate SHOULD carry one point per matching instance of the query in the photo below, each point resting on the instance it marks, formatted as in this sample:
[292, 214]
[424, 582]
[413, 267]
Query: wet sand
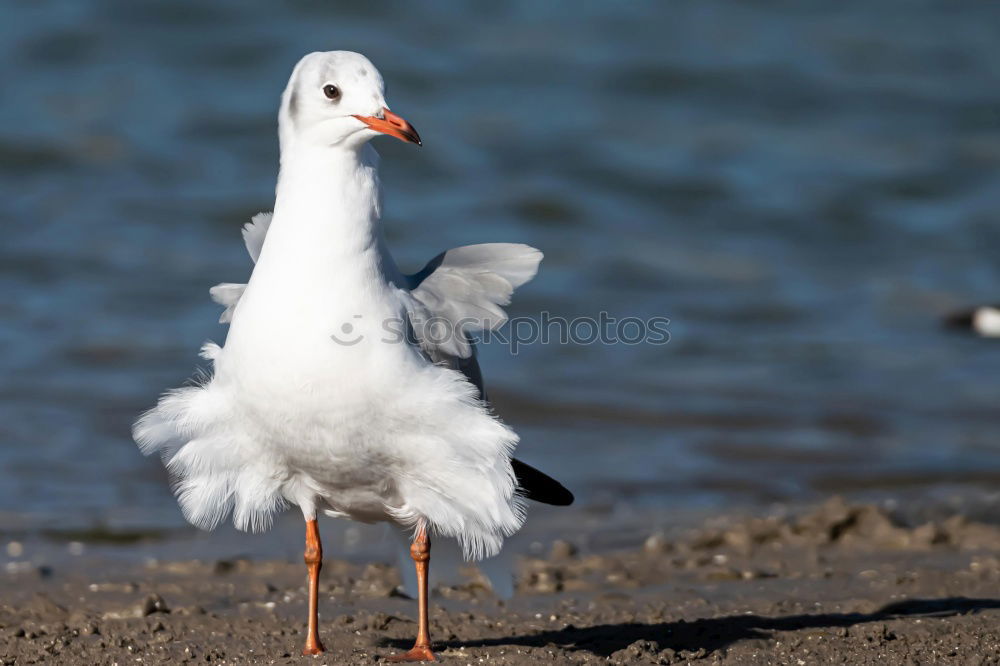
[837, 583]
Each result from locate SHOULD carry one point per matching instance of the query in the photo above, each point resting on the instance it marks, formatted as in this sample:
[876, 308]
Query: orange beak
[392, 125]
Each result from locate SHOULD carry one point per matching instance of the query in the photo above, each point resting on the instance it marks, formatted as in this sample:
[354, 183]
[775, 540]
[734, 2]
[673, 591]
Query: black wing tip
[539, 486]
[959, 320]
[556, 495]
[560, 496]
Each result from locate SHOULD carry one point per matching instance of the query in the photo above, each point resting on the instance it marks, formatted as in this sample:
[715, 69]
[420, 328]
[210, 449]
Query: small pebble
[563, 550]
[154, 603]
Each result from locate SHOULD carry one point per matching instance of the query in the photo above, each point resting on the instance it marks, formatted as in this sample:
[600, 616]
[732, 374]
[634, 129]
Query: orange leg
[420, 551]
[314, 561]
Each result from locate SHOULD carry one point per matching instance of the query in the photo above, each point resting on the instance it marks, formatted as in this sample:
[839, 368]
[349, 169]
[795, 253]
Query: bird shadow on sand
[716, 633]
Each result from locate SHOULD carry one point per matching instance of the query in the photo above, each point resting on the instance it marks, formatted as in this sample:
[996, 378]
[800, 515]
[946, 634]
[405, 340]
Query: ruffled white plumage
[436, 452]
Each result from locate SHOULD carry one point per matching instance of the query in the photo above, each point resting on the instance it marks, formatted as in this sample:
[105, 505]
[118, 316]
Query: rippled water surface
[804, 192]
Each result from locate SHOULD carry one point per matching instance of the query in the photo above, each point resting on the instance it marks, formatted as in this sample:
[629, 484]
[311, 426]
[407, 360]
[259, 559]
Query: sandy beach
[834, 583]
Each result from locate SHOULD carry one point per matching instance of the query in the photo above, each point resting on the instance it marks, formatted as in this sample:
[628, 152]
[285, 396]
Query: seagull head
[337, 98]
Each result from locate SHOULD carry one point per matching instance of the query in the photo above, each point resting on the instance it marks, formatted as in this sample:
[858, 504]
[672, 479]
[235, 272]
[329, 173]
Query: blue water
[803, 191]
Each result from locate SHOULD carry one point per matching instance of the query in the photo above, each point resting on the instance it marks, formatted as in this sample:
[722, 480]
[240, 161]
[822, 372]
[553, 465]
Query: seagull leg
[314, 561]
[420, 551]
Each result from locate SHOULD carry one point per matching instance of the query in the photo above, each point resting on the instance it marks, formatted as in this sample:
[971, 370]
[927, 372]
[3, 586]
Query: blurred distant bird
[345, 386]
[983, 321]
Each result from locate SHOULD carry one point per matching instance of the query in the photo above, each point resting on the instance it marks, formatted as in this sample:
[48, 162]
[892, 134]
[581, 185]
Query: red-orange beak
[392, 125]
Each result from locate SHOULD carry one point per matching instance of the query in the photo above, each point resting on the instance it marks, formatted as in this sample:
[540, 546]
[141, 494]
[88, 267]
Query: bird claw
[416, 653]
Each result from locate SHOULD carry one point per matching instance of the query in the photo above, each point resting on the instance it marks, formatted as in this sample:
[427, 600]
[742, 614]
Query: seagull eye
[331, 91]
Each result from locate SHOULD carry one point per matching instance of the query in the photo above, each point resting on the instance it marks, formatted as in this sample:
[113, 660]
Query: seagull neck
[330, 195]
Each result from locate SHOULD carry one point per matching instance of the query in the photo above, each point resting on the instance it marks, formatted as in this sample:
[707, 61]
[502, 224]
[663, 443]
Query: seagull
[344, 386]
[983, 321]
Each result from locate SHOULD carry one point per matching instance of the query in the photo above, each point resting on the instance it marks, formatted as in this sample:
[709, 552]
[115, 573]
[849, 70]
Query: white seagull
[345, 386]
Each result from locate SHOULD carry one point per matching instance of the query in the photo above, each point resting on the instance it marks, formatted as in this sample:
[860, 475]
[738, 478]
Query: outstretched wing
[462, 290]
[254, 232]
[228, 293]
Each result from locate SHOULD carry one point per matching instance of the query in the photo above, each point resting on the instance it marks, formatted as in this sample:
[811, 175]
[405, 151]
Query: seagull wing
[254, 232]
[463, 290]
[228, 293]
